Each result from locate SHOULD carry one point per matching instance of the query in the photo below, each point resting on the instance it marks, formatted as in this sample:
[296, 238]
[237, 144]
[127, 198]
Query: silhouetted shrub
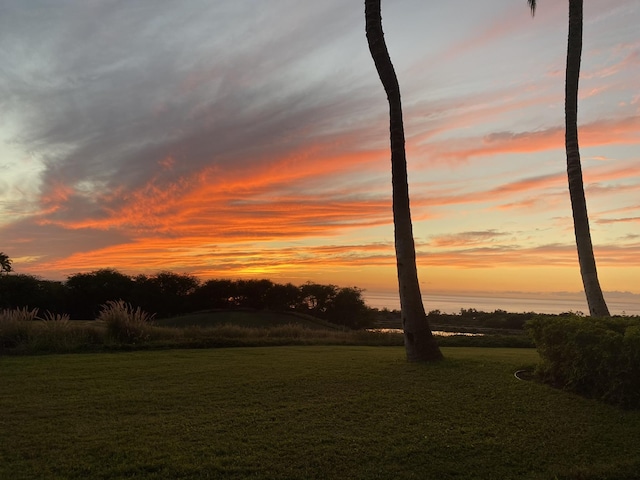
[596, 358]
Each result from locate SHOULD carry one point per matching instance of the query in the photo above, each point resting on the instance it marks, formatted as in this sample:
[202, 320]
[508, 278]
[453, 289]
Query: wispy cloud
[467, 238]
[513, 255]
[622, 131]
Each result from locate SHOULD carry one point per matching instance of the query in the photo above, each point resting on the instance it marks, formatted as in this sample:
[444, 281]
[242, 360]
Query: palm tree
[419, 342]
[5, 263]
[586, 259]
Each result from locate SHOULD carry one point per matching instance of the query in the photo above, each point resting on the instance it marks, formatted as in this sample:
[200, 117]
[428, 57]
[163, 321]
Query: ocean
[619, 303]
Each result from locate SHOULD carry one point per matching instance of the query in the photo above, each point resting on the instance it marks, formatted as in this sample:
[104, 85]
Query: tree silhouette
[88, 291]
[5, 263]
[419, 342]
[586, 258]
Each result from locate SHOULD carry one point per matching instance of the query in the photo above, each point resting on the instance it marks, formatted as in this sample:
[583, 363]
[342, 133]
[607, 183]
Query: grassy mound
[247, 319]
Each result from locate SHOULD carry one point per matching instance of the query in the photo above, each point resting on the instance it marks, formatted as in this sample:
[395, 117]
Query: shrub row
[596, 358]
[168, 294]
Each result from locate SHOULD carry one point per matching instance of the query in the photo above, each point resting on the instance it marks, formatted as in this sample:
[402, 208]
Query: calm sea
[619, 303]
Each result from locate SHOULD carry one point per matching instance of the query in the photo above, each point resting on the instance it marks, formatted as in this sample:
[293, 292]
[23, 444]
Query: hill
[246, 318]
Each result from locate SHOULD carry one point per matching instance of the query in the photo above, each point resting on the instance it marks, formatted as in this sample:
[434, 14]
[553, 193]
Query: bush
[596, 358]
[124, 323]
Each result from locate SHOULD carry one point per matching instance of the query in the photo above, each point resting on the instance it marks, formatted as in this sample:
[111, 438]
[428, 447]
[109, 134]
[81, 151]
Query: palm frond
[532, 5]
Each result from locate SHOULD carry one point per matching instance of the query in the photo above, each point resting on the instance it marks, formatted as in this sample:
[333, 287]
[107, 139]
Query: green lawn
[310, 412]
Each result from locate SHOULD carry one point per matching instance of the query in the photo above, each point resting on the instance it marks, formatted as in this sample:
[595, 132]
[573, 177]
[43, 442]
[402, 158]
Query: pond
[439, 333]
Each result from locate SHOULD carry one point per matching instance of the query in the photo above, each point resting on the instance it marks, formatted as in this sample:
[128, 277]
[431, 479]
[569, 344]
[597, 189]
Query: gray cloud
[113, 88]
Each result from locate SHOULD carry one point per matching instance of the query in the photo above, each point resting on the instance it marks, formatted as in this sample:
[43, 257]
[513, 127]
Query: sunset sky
[249, 139]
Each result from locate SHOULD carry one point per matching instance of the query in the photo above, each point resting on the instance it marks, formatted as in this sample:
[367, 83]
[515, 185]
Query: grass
[314, 412]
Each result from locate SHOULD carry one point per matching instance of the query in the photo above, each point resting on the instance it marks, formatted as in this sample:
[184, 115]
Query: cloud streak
[623, 131]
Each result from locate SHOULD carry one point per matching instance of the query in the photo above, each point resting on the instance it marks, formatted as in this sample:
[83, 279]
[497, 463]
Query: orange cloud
[219, 254]
[465, 239]
[553, 255]
[622, 131]
[618, 220]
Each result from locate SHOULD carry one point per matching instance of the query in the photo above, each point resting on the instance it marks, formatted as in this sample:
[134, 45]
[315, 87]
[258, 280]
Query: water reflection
[435, 332]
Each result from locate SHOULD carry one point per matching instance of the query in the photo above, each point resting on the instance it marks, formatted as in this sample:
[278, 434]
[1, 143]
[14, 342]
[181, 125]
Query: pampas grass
[125, 323]
[16, 326]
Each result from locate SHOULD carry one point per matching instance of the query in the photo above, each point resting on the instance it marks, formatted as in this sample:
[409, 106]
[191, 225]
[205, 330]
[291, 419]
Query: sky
[249, 139]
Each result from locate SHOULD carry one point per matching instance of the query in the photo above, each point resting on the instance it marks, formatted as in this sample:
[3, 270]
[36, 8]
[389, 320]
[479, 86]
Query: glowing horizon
[133, 138]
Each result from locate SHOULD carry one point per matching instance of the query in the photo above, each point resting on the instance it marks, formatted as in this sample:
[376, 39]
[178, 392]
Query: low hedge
[594, 357]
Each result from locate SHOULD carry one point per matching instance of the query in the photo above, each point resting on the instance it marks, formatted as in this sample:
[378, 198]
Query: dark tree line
[168, 294]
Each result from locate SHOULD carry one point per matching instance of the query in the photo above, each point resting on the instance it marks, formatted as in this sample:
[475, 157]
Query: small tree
[348, 308]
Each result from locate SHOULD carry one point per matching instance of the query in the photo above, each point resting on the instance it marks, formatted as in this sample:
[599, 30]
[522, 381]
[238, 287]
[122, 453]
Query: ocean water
[619, 303]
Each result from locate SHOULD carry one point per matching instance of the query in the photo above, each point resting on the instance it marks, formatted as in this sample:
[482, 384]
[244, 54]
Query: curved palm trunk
[593, 292]
[419, 342]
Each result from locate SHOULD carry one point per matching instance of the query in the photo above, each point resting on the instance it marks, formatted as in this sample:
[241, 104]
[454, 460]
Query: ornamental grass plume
[16, 326]
[125, 323]
[18, 314]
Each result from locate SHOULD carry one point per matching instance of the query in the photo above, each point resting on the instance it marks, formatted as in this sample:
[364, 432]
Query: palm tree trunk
[593, 292]
[419, 342]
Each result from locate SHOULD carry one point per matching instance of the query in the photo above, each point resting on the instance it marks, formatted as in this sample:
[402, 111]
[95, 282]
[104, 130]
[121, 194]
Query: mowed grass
[312, 412]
